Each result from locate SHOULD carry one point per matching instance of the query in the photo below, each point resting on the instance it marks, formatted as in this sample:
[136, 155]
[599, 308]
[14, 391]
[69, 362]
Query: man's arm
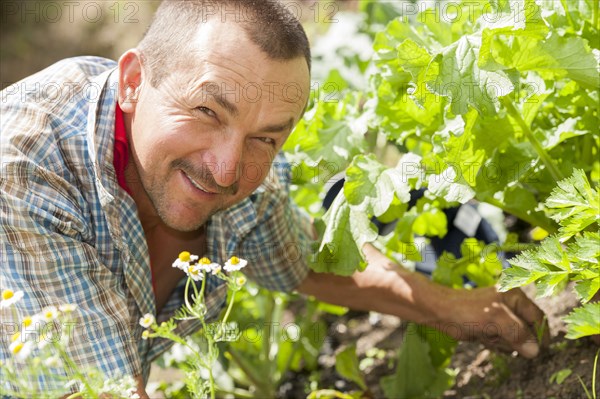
[504, 320]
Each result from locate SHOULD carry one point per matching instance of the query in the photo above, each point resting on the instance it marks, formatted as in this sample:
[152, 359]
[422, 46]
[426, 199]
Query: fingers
[509, 332]
[531, 314]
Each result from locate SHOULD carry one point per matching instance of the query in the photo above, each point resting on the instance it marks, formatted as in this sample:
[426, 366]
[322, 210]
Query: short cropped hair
[268, 24]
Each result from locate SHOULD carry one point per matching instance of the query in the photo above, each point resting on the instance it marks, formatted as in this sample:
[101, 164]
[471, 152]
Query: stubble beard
[159, 197]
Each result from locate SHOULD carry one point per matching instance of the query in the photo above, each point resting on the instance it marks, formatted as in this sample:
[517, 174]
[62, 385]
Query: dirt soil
[482, 373]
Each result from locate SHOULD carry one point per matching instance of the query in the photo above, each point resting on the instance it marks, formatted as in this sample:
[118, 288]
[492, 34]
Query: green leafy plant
[272, 344]
[572, 254]
[495, 103]
[205, 355]
[346, 364]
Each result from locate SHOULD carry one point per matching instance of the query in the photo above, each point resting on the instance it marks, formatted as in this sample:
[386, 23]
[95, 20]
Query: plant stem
[67, 359]
[587, 393]
[240, 393]
[212, 383]
[185, 294]
[264, 391]
[266, 343]
[595, 6]
[229, 307]
[594, 373]
[532, 220]
[517, 247]
[568, 15]
[203, 287]
[550, 165]
[306, 319]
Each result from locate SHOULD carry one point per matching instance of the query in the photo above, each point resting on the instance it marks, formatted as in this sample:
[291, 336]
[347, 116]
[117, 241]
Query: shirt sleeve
[47, 251]
[279, 246]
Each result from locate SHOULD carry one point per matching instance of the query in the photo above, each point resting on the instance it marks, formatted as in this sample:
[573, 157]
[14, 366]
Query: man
[176, 148]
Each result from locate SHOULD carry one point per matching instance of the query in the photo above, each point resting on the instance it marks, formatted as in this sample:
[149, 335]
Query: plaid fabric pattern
[70, 234]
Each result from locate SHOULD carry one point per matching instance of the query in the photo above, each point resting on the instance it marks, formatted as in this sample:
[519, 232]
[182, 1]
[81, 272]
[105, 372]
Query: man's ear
[131, 76]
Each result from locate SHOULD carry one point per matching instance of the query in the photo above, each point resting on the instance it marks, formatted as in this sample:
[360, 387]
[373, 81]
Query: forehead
[222, 59]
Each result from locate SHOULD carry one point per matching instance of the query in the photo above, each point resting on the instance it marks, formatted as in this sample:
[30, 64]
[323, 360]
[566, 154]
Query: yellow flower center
[241, 280]
[17, 348]
[184, 256]
[205, 261]
[15, 336]
[27, 321]
[192, 270]
[234, 260]
[7, 294]
[48, 314]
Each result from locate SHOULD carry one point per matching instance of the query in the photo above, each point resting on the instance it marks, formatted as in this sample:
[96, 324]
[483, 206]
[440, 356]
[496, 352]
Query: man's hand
[507, 321]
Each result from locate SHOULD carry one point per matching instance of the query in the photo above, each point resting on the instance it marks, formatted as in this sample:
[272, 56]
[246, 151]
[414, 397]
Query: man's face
[204, 139]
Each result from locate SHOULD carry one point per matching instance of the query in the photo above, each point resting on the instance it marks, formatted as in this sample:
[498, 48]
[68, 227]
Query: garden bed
[481, 373]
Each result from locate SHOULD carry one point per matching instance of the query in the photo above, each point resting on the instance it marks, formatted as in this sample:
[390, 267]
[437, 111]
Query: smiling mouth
[198, 185]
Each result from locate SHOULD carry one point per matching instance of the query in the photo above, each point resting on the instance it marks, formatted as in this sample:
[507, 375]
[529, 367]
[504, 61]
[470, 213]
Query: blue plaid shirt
[70, 234]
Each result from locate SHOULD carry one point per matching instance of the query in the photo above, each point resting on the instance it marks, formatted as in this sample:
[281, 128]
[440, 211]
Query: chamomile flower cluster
[196, 268]
[39, 346]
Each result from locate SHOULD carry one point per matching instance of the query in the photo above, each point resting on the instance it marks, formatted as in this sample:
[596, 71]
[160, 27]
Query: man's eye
[267, 140]
[207, 111]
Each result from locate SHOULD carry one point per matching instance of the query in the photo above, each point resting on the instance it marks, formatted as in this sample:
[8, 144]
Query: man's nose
[228, 157]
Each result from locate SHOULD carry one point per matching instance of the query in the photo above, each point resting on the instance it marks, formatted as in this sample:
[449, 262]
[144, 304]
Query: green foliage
[422, 360]
[573, 254]
[479, 263]
[270, 345]
[584, 321]
[575, 206]
[346, 364]
[495, 103]
[499, 102]
[560, 376]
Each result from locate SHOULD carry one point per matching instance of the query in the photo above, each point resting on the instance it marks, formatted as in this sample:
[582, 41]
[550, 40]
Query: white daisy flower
[10, 297]
[67, 308]
[184, 260]
[49, 313]
[52, 361]
[20, 349]
[27, 321]
[206, 265]
[195, 272]
[216, 269]
[179, 264]
[234, 263]
[240, 281]
[146, 334]
[147, 320]
[46, 337]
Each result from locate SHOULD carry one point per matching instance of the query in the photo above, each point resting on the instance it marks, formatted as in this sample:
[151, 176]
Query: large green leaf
[574, 204]
[343, 232]
[370, 186]
[463, 82]
[346, 364]
[554, 57]
[416, 375]
[584, 321]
